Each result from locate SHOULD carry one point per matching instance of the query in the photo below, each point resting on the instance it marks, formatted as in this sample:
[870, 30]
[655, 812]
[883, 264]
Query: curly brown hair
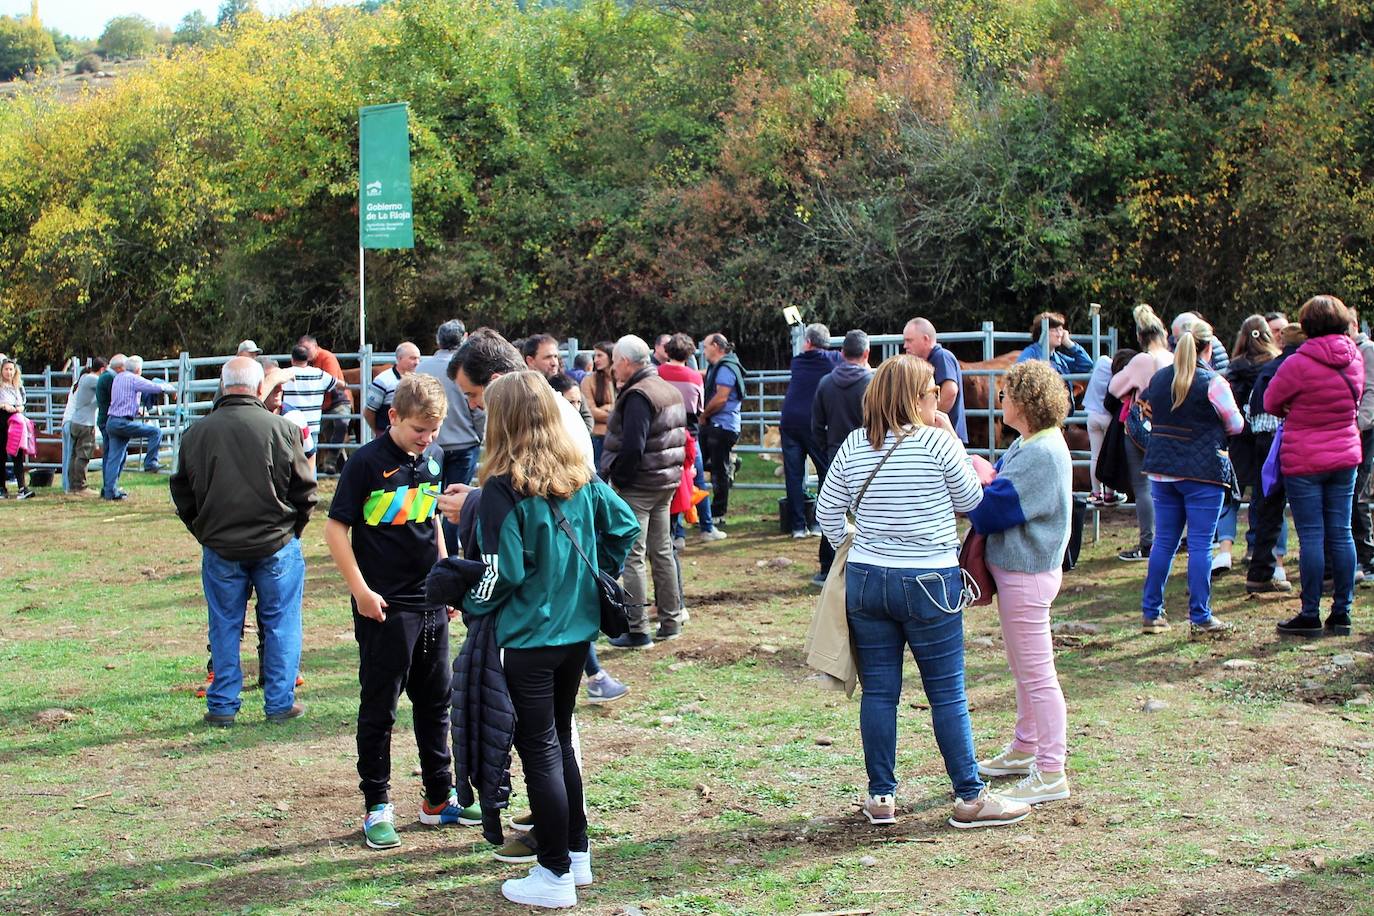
[1039, 394]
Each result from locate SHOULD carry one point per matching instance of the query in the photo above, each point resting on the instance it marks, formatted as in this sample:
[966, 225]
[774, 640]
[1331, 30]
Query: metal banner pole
[362, 301]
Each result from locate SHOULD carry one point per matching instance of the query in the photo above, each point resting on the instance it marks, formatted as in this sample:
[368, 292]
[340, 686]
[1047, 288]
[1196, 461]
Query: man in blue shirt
[719, 419]
[919, 339]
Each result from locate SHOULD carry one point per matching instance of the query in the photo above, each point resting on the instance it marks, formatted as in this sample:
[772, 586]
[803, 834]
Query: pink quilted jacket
[1317, 390]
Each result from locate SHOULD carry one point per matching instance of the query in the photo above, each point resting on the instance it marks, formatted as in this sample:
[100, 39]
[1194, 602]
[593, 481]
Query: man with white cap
[250, 349]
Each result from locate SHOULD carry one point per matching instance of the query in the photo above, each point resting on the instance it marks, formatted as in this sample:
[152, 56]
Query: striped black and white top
[306, 393]
[906, 520]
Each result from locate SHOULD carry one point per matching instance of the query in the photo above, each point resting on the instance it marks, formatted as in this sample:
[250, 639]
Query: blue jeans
[797, 446]
[1199, 505]
[459, 464]
[1321, 513]
[1228, 520]
[118, 433]
[279, 581]
[890, 610]
[67, 450]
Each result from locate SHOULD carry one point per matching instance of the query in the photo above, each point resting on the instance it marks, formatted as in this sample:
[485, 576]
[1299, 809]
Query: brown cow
[978, 394]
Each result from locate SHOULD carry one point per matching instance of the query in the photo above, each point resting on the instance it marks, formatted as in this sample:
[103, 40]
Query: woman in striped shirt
[903, 584]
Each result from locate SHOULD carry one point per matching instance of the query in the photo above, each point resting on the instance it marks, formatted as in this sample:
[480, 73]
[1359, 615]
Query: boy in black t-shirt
[386, 497]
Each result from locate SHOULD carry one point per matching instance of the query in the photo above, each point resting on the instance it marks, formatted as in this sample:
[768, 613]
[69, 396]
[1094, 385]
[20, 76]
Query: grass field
[725, 783]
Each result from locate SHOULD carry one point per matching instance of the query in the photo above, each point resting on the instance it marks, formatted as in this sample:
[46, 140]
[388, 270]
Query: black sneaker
[668, 630]
[633, 641]
[25, 493]
[1337, 626]
[1134, 556]
[1303, 625]
[1273, 585]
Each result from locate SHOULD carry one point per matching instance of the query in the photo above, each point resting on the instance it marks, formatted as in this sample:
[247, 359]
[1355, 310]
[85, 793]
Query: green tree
[127, 38]
[24, 48]
[231, 11]
[193, 29]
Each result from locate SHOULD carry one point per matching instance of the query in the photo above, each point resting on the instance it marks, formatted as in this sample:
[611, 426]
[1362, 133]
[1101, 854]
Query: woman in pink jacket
[1317, 392]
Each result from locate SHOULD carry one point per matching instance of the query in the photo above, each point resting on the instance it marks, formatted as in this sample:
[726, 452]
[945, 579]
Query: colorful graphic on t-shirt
[404, 504]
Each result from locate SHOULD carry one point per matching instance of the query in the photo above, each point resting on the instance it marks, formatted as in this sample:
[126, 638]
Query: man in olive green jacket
[244, 488]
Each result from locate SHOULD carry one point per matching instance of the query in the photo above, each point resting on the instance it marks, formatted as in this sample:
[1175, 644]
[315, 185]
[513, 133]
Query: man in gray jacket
[244, 488]
[836, 412]
[460, 435]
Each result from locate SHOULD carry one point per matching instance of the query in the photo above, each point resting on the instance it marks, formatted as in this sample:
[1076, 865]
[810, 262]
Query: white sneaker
[582, 867]
[541, 888]
[1008, 763]
[715, 534]
[1279, 574]
[800, 534]
[1221, 562]
[1035, 788]
[880, 809]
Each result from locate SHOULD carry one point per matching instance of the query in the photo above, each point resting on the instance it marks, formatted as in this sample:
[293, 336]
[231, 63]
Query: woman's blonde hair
[1039, 394]
[527, 441]
[893, 398]
[1148, 328]
[1197, 339]
[1255, 341]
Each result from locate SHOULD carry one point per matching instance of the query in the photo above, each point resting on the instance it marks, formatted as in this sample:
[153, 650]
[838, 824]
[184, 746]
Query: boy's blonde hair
[526, 439]
[420, 396]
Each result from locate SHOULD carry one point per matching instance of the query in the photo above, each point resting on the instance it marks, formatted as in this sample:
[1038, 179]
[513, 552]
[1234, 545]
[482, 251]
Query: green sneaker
[449, 812]
[379, 827]
[517, 850]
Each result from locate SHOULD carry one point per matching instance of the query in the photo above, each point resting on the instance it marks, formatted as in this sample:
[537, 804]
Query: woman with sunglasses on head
[904, 474]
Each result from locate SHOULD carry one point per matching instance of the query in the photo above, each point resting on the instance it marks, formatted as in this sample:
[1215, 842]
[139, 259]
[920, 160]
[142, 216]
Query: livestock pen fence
[196, 380]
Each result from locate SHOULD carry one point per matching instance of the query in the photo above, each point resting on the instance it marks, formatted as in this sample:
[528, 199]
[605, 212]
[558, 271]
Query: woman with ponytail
[1192, 412]
[1128, 384]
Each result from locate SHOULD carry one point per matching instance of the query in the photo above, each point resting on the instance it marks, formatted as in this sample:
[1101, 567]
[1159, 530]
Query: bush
[89, 64]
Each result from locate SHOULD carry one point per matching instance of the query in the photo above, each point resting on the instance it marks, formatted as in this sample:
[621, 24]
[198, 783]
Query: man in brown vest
[646, 436]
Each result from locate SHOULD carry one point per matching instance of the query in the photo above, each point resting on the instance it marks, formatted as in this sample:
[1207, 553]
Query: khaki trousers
[656, 542]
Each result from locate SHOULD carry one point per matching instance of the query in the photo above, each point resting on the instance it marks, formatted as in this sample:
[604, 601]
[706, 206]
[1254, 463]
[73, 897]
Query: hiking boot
[1133, 556]
[1337, 625]
[1008, 763]
[602, 688]
[633, 641]
[1309, 626]
[1279, 586]
[542, 888]
[449, 812]
[295, 712]
[581, 867]
[668, 629]
[880, 809]
[1154, 624]
[1039, 787]
[715, 534]
[1210, 627]
[517, 850]
[218, 720]
[379, 827]
[987, 810]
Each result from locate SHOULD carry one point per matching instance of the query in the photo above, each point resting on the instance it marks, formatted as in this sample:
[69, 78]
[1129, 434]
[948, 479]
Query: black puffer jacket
[482, 721]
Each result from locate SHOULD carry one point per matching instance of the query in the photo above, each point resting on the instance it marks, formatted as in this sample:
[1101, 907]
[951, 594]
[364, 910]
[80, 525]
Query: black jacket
[838, 409]
[482, 718]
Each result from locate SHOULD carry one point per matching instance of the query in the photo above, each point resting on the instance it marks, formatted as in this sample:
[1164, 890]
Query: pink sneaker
[880, 809]
[987, 810]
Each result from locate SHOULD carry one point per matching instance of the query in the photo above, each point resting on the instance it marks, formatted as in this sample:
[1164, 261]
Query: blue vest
[1188, 442]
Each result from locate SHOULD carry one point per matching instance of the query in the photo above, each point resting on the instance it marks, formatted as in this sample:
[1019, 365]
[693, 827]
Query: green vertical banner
[385, 218]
